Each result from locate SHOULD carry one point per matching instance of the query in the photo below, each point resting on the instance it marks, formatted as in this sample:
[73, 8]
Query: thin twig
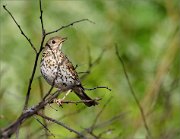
[44, 126]
[43, 111]
[109, 121]
[40, 87]
[83, 72]
[30, 81]
[20, 29]
[103, 124]
[41, 18]
[71, 24]
[89, 57]
[91, 63]
[98, 87]
[80, 101]
[60, 118]
[132, 92]
[47, 94]
[99, 114]
[17, 133]
[92, 127]
[61, 124]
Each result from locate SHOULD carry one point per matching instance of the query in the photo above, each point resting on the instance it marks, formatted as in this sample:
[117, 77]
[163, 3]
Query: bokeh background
[147, 34]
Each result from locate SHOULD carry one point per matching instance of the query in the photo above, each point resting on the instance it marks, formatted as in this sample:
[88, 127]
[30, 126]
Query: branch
[103, 124]
[41, 18]
[20, 29]
[7, 132]
[98, 87]
[36, 59]
[99, 114]
[27, 113]
[92, 64]
[44, 126]
[61, 124]
[71, 24]
[93, 126]
[133, 93]
[31, 80]
[79, 101]
[60, 118]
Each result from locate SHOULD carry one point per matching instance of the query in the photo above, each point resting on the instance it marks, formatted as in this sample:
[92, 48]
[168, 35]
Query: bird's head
[55, 42]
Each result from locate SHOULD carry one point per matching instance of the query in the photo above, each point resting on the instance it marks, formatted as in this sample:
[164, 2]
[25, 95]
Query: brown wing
[71, 69]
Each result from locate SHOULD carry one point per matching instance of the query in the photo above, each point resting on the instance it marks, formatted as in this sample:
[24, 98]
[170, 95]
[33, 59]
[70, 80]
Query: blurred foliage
[148, 37]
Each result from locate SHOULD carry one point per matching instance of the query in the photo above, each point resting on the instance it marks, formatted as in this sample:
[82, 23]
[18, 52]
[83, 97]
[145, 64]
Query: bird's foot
[58, 101]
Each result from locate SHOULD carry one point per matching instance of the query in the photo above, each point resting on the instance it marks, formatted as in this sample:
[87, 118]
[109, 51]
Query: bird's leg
[59, 101]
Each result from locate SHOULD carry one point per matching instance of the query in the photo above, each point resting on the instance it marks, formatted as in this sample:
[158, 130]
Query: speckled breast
[55, 71]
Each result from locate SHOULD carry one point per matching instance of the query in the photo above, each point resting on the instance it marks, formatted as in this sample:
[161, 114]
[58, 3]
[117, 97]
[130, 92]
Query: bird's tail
[82, 95]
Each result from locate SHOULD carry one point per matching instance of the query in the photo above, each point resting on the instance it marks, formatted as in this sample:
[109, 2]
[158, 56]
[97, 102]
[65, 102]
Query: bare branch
[62, 117]
[99, 114]
[36, 59]
[11, 129]
[71, 24]
[92, 127]
[20, 29]
[84, 72]
[98, 87]
[92, 64]
[41, 87]
[31, 80]
[103, 124]
[133, 93]
[44, 121]
[41, 18]
[61, 124]
[44, 126]
[109, 121]
[80, 101]
[47, 94]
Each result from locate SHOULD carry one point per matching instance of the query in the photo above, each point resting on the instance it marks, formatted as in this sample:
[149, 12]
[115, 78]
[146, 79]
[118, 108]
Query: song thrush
[59, 72]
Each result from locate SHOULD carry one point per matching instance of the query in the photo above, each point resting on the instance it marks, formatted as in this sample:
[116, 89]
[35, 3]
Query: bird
[60, 73]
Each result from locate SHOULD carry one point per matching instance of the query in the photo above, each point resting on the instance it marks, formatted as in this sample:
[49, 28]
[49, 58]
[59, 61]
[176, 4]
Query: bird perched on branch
[59, 72]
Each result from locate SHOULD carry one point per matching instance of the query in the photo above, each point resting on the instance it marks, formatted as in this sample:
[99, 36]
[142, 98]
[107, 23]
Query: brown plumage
[59, 71]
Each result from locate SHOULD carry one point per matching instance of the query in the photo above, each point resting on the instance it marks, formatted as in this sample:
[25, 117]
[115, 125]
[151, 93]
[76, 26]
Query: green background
[148, 38]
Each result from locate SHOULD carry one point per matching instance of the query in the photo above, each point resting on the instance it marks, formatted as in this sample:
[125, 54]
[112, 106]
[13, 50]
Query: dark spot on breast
[64, 84]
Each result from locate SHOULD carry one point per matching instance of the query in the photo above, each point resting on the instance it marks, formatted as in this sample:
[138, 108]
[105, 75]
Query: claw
[58, 101]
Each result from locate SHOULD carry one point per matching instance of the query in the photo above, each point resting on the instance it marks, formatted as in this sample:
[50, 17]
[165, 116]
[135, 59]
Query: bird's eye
[53, 42]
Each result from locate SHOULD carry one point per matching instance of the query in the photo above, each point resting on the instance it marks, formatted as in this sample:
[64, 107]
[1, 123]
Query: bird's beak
[64, 39]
